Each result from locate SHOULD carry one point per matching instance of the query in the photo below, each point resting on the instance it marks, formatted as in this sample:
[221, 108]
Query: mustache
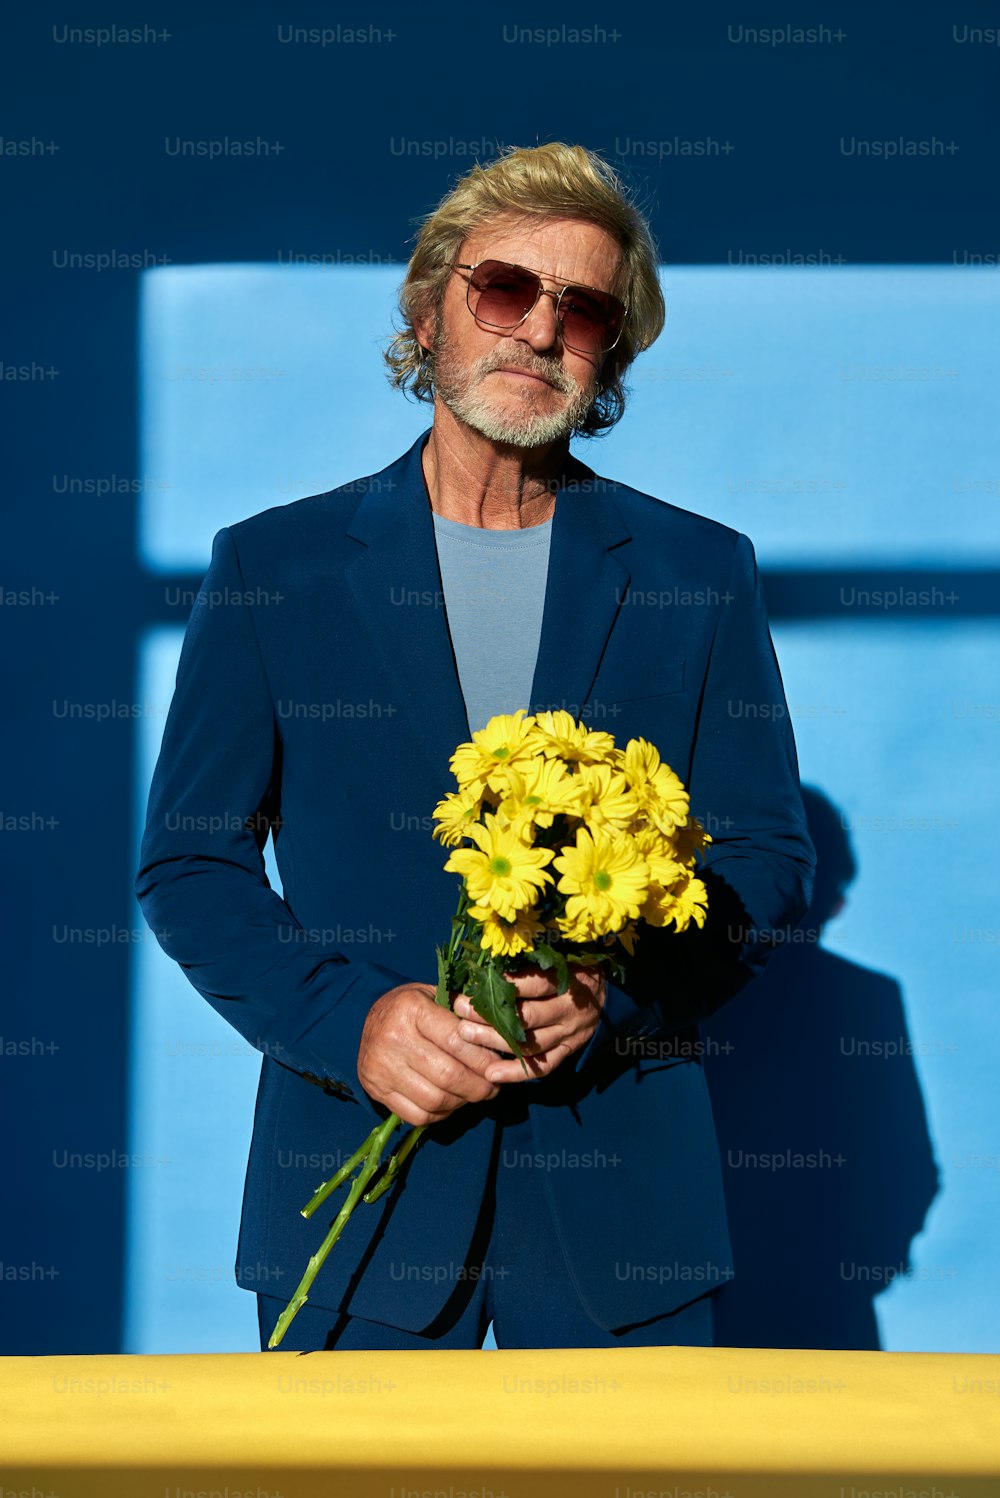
[545, 369]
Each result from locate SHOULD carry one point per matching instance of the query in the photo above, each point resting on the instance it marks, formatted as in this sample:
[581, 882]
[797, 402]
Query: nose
[540, 328]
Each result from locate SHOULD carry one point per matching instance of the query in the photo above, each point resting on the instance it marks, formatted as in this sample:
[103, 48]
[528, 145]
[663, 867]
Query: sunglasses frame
[556, 296]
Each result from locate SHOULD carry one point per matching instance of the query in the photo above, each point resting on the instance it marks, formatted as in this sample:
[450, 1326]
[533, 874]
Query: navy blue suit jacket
[317, 698]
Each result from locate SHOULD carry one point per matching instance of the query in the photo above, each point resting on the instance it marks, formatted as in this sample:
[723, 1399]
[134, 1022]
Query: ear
[425, 328]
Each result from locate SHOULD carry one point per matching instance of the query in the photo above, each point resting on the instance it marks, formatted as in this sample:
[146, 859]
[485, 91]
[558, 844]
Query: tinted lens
[503, 295]
[590, 321]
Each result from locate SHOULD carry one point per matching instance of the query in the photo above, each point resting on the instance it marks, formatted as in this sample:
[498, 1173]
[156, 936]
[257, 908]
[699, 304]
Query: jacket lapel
[396, 583]
[586, 584]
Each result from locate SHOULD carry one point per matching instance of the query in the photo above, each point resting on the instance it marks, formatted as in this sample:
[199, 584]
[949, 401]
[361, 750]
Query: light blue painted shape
[754, 385]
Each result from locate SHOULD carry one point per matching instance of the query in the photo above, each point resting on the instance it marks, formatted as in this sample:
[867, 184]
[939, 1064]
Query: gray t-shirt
[494, 594]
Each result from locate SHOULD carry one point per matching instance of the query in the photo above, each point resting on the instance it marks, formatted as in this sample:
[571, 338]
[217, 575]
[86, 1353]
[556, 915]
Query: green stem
[379, 1139]
[370, 1153]
[442, 996]
[322, 1192]
[457, 937]
[395, 1161]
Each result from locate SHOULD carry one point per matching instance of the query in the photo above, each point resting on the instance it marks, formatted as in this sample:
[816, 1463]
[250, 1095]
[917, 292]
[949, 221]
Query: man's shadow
[828, 1166]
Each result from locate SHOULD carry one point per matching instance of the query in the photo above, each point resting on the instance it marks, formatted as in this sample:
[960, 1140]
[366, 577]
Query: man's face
[553, 387]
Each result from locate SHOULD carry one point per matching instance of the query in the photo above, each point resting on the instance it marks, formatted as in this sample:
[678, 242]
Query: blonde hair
[548, 181]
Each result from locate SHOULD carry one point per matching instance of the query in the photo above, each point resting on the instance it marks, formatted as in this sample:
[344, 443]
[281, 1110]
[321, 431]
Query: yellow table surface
[677, 1422]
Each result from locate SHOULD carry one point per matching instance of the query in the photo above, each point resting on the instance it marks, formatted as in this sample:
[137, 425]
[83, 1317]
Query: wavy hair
[549, 181]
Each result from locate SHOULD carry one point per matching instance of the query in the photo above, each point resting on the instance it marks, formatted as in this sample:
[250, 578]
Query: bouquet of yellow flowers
[565, 844]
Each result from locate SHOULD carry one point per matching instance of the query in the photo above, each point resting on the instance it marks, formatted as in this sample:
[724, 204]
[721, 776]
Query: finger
[483, 1034]
[549, 1009]
[442, 1029]
[538, 1066]
[408, 1101]
[540, 1035]
[410, 1112]
[415, 1094]
[425, 1084]
[446, 1084]
[533, 984]
[466, 1009]
[546, 1038]
[559, 1009]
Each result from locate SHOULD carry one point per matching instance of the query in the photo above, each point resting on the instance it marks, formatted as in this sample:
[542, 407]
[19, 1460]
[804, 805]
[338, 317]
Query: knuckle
[440, 1100]
[447, 1071]
[408, 1110]
[436, 1105]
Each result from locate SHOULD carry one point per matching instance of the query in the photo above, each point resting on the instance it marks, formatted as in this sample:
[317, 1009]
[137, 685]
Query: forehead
[567, 249]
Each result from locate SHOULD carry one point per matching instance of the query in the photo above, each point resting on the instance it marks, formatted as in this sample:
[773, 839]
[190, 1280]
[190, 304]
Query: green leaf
[546, 956]
[494, 1000]
[444, 976]
[614, 964]
[616, 969]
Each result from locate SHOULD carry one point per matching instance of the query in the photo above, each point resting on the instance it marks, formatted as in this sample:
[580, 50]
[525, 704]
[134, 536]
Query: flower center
[500, 867]
[532, 800]
[602, 880]
[502, 753]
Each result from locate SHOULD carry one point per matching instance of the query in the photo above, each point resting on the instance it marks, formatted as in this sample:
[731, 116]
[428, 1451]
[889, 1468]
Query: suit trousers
[514, 1275]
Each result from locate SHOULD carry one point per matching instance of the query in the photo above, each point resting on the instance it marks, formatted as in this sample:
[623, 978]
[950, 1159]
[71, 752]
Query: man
[484, 570]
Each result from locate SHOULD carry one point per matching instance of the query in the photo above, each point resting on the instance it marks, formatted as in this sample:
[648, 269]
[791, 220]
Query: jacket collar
[396, 583]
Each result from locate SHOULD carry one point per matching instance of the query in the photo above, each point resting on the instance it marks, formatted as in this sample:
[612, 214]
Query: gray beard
[461, 391]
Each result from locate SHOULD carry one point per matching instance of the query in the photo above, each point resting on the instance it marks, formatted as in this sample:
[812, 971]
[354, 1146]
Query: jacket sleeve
[759, 868]
[201, 882]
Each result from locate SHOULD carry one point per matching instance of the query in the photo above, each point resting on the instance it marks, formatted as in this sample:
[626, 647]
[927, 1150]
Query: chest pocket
[639, 679]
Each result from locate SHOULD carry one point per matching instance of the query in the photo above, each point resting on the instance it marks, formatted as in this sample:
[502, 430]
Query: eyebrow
[547, 275]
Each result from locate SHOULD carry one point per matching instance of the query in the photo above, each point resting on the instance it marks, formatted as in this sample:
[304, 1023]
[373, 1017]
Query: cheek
[586, 374]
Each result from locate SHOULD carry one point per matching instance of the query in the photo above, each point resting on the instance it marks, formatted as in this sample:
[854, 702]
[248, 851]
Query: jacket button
[336, 1088]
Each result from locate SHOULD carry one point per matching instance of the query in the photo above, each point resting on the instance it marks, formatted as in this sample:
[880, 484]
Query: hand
[412, 1057]
[557, 1025]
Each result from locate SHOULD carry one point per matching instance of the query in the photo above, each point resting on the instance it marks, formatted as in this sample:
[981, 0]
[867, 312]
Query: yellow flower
[606, 879]
[502, 872]
[537, 792]
[508, 739]
[607, 801]
[690, 840]
[455, 814]
[683, 902]
[692, 903]
[502, 938]
[661, 853]
[563, 738]
[658, 790]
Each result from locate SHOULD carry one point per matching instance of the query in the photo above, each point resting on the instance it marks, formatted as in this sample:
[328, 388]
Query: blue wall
[893, 716]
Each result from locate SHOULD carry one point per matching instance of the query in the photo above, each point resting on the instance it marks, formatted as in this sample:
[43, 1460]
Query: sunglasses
[501, 296]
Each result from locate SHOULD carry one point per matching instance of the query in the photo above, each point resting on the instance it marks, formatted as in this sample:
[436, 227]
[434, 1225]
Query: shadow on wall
[827, 1161]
